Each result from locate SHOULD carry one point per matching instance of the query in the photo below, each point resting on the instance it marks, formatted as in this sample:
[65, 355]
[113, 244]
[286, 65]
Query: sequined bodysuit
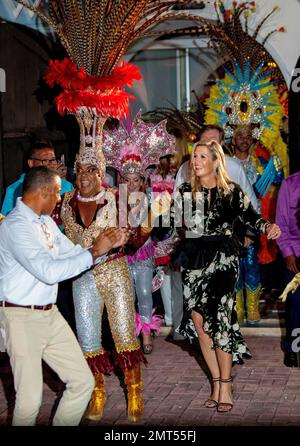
[108, 284]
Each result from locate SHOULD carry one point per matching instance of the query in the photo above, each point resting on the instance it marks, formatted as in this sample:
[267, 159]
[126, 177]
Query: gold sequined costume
[106, 284]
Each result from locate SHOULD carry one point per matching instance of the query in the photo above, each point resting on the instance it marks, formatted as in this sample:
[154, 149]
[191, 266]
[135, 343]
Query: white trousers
[35, 335]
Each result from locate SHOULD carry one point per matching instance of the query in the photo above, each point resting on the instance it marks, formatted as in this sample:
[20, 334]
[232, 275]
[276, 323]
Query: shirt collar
[27, 212]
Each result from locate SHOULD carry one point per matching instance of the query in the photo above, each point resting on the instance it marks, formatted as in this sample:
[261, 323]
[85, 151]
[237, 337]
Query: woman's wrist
[266, 227]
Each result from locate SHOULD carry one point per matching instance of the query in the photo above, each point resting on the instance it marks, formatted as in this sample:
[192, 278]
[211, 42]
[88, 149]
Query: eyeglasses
[45, 161]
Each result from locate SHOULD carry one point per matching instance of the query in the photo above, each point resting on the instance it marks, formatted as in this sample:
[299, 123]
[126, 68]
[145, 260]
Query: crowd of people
[80, 263]
[113, 248]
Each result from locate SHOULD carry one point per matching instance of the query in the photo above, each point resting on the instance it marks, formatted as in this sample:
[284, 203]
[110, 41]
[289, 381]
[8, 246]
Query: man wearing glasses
[41, 154]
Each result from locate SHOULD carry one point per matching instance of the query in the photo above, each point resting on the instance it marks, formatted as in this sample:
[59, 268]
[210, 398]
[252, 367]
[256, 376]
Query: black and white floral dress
[210, 262]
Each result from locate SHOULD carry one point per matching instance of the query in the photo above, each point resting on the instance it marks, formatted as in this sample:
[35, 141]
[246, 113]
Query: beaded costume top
[77, 233]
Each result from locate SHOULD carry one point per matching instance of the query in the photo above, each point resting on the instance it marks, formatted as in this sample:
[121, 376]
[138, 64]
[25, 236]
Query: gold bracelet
[146, 229]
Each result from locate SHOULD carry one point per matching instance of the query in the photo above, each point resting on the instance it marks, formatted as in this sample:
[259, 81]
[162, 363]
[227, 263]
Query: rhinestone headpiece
[134, 147]
[243, 99]
[91, 128]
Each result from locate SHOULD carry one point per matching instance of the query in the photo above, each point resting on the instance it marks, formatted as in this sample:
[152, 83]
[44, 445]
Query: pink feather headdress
[131, 148]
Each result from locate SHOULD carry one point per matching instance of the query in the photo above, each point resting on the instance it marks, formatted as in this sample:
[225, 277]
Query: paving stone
[266, 393]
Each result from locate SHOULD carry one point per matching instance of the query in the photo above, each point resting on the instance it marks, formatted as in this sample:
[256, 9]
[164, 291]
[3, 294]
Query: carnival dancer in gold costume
[86, 212]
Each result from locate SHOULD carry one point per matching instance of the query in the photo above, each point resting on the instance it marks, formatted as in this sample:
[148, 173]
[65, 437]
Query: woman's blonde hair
[216, 151]
[182, 150]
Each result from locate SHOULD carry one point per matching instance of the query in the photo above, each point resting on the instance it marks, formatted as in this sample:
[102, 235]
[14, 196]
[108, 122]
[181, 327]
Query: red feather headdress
[104, 94]
[92, 99]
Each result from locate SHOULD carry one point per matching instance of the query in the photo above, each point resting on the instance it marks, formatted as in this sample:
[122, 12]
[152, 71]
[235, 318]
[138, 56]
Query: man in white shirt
[34, 256]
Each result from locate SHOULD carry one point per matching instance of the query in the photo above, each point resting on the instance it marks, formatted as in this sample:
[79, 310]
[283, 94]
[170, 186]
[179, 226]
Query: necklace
[89, 199]
[47, 235]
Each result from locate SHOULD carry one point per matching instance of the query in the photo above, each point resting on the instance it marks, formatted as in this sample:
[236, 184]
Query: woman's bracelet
[266, 226]
[146, 229]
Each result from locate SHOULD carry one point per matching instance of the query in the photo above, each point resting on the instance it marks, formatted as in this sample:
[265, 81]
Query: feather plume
[114, 104]
[147, 328]
[105, 94]
[97, 33]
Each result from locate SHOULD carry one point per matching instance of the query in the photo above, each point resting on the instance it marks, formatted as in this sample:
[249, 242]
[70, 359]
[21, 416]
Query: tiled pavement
[266, 393]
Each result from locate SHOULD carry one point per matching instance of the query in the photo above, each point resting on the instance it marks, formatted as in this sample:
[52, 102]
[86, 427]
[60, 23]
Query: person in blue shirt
[42, 153]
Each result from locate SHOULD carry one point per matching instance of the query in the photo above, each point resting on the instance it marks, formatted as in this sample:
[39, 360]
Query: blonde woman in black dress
[210, 262]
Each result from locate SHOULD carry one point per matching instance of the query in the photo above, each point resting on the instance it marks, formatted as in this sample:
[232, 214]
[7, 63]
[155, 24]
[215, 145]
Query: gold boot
[240, 307]
[133, 380]
[252, 305]
[97, 401]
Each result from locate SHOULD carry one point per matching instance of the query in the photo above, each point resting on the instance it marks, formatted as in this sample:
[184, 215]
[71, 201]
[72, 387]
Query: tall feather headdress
[253, 90]
[95, 35]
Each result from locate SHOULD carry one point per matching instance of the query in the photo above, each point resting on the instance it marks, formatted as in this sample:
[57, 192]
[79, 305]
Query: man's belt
[31, 307]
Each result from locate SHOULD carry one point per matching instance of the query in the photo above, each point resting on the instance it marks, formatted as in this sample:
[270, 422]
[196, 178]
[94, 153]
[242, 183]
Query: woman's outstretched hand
[273, 231]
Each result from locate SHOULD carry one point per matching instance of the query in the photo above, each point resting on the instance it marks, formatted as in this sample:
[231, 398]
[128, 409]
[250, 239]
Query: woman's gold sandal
[211, 403]
[227, 406]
